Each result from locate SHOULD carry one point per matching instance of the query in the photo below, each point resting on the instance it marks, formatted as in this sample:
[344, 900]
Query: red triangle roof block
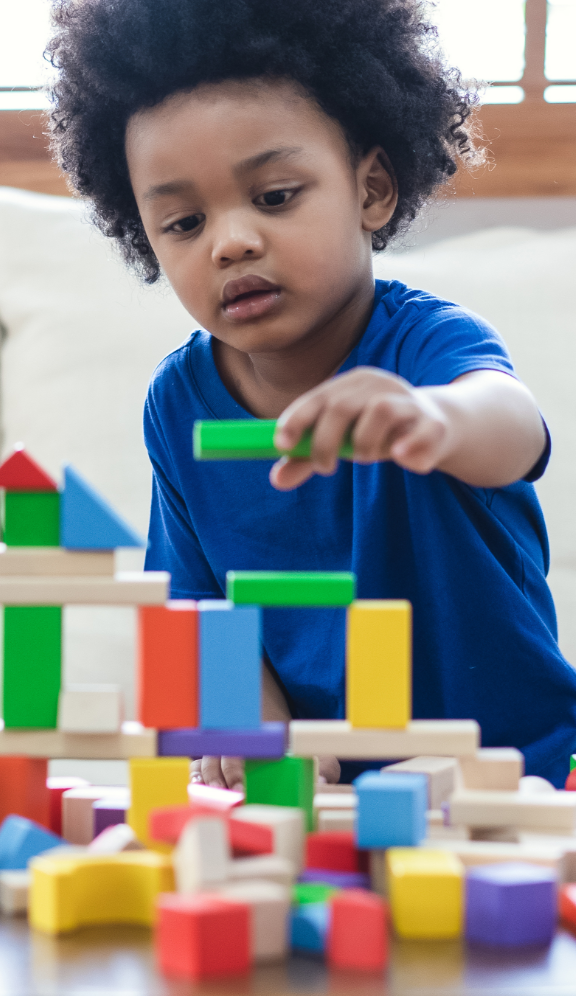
[20, 473]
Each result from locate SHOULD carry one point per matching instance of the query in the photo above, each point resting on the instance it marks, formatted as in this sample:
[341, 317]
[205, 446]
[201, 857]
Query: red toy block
[214, 798]
[570, 785]
[57, 785]
[167, 823]
[202, 935]
[20, 473]
[168, 665]
[23, 788]
[567, 904]
[334, 850]
[357, 934]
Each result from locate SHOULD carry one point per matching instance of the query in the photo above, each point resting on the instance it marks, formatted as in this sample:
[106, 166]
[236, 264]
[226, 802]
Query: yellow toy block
[67, 893]
[379, 663]
[426, 891]
[156, 782]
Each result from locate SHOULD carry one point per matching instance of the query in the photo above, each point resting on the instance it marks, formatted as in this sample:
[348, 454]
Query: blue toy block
[87, 522]
[391, 809]
[309, 927]
[511, 904]
[230, 666]
[22, 839]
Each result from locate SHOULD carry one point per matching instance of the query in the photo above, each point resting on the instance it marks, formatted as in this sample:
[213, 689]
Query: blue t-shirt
[472, 561]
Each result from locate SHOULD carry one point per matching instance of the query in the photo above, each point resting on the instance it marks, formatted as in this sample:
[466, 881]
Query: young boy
[257, 153]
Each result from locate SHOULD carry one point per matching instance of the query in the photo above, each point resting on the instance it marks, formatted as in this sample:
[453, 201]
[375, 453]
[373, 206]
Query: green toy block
[248, 439]
[32, 665]
[290, 587]
[312, 892]
[572, 761]
[32, 518]
[287, 782]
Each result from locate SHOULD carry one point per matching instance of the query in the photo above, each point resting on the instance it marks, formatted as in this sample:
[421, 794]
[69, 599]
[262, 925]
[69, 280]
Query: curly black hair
[373, 65]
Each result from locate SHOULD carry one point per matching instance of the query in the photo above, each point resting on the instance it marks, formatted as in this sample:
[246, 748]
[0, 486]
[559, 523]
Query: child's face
[255, 211]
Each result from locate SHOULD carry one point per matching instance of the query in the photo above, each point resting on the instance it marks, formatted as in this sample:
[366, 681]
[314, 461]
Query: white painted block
[492, 768]
[327, 800]
[286, 823]
[270, 908]
[90, 709]
[446, 737]
[77, 816]
[125, 588]
[266, 866]
[202, 855]
[132, 741]
[54, 561]
[114, 839]
[440, 772]
[539, 811]
[336, 819]
[14, 888]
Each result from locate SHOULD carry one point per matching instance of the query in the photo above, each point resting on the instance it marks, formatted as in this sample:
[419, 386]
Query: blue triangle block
[22, 839]
[87, 522]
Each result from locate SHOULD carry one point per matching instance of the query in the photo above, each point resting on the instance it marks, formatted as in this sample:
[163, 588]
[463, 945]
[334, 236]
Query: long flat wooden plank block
[79, 746]
[54, 561]
[125, 588]
[484, 852]
[284, 588]
[268, 741]
[537, 811]
[441, 737]
[246, 439]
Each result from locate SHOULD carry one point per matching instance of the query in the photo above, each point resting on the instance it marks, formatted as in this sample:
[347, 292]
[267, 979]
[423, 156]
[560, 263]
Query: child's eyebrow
[244, 166]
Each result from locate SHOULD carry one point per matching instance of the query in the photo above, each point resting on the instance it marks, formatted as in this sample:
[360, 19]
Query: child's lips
[252, 304]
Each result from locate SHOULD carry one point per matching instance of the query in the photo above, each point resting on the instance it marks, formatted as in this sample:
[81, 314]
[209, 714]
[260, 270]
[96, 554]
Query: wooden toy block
[426, 890]
[57, 785]
[200, 937]
[481, 852]
[167, 666]
[529, 784]
[336, 819]
[441, 773]
[19, 472]
[312, 892]
[357, 933]
[53, 561]
[166, 824]
[566, 904]
[379, 663]
[269, 741]
[290, 588]
[270, 867]
[230, 666]
[107, 813]
[21, 839]
[247, 439]
[269, 911]
[90, 709]
[114, 840]
[284, 823]
[89, 889]
[338, 800]
[32, 665]
[125, 588]
[23, 788]
[215, 798]
[77, 812]
[493, 768]
[337, 879]
[510, 904]
[553, 813]
[288, 782]
[572, 762]
[333, 850]
[446, 737]
[438, 828]
[155, 782]
[328, 788]
[309, 927]
[31, 518]
[100, 746]
[570, 785]
[87, 521]
[14, 889]
[391, 810]
[202, 855]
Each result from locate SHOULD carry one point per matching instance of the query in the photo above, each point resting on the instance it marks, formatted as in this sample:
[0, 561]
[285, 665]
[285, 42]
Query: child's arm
[484, 428]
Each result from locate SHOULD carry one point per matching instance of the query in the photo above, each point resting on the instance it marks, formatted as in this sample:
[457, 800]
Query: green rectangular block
[572, 761]
[31, 518]
[288, 782]
[32, 665]
[247, 439]
[284, 588]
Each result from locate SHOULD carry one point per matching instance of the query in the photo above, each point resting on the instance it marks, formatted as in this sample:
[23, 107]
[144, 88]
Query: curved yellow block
[67, 893]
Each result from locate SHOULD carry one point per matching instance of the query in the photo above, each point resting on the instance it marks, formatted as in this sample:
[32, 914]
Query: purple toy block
[341, 880]
[107, 813]
[269, 741]
[510, 904]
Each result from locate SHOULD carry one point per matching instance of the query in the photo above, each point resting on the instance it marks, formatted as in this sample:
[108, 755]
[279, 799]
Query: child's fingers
[211, 771]
[298, 417]
[233, 771]
[330, 431]
[420, 450]
[383, 419]
[287, 474]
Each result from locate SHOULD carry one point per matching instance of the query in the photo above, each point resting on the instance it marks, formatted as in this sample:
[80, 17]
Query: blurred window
[483, 38]
[560, 61]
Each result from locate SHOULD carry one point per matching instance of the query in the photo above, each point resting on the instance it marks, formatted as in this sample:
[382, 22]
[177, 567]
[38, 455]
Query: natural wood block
[77, 816]
[336, 819]
[286, 823]
[271, 867]
[484, 852]
[340, 800]
[269, 906]
[379, 663]
[202, 855]
[493, 768]
[440, 771]
[513, 809]
[449, 737]
[125, 588]
[14, 889]
[97, 746]
[90, 709]
[54, 561]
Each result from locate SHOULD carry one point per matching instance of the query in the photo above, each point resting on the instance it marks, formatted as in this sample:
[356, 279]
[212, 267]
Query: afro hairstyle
[372, 65]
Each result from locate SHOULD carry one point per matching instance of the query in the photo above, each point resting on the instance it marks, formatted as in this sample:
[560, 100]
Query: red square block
[334, 850]
[357, 935]
[202, 936]
[23, 788]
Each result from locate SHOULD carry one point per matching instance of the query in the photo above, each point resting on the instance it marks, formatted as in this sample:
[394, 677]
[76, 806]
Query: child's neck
[266, 383]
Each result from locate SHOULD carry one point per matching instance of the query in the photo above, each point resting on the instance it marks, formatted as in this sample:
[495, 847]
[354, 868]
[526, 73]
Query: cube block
[334, 850]
[155, 782]
[391, 809]
[379, 663]
[78, 813]
[288, 782]
[90, 709]
[284, 823]
[107, 813]
[199, 937]
[440, 773]
[290, 588]
[23, 788]
[14, 890]
[309, 927]
[357, 936]
[426, 891]
[202, 855]
[267, 741]
[511, 904]
[22, 839]
[57, 785]
[31, 518]
[167, 666]
[269, 911]
[32, 665]
[230, 666]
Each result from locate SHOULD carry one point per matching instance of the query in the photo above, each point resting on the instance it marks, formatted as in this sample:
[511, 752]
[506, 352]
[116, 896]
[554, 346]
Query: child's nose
[235, 240]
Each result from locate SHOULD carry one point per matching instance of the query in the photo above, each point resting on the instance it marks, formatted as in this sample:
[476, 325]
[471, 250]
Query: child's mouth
[249, 297]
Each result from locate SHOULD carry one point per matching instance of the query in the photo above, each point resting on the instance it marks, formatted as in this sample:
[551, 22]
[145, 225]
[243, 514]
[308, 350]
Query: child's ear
[378, 189]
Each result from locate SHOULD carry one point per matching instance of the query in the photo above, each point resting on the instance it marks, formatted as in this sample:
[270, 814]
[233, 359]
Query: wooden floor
[119, 961]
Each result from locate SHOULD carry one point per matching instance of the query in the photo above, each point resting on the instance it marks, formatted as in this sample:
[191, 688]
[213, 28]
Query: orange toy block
[357, 936]
[24, 789]
[168, 665]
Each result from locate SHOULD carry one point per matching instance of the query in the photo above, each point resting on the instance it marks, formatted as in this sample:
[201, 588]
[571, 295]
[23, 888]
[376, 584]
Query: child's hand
[222, 772]
[384, 416]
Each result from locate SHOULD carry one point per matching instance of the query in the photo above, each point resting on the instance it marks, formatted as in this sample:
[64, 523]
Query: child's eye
[187, 224]
[275, 198]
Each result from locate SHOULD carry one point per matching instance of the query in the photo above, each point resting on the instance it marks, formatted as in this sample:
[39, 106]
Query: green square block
[288, 782]
[290, 588]
[247, 439]
[312, 892]
[572, 761]
[32, 518]
[32, 665]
